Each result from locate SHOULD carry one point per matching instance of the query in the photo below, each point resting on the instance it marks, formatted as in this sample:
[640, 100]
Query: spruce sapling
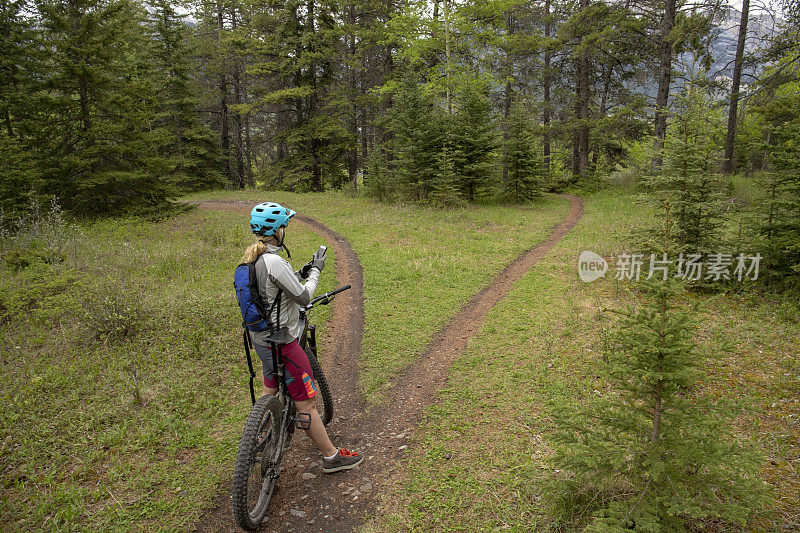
[652, 452]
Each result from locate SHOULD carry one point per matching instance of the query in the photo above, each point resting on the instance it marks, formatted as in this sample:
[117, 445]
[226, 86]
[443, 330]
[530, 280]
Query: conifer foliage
[98, 101]
[654, 452]
[474, 144]
[193, 158]
[419, 130]
[19, 177]
[98, 106]
[779, 217]
[525, 172]
[689, 181]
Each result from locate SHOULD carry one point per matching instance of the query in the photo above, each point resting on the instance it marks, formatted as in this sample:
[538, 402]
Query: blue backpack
[255, 317]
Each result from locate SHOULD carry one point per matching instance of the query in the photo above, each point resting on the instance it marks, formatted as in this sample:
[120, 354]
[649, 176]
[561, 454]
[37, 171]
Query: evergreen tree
[18, 53]
[419, 133]
[19, 179]
[654, 453]
[97, 147]
[779, 214]
[524, 169]
[445, 184]
[379, 179]
[297, 49]
[190, 145]
[474, 139]
[689, 182]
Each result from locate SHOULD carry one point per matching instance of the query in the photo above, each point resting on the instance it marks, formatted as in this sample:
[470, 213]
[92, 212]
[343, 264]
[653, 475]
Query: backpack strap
[267, 313]
[248, 343]
[275, 303]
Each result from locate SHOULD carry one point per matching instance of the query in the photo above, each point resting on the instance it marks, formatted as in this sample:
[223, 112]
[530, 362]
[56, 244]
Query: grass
[479, 461]
[124, 388]
[124, 385]
[420, 264]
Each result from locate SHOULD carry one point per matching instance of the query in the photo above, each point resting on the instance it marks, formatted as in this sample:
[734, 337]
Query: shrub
[112, 314]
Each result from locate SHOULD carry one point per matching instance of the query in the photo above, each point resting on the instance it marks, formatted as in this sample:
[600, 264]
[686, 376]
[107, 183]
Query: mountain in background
[760, 31]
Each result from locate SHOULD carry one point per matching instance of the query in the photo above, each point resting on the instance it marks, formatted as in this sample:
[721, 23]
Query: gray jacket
[275, 273]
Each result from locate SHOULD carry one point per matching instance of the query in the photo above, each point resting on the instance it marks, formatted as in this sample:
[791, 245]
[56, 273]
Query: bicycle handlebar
[326, 298]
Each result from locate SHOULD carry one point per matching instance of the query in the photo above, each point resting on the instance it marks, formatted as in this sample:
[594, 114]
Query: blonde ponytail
[254, 251]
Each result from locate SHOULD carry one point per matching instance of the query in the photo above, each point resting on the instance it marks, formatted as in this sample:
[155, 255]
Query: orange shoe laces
[347, 453]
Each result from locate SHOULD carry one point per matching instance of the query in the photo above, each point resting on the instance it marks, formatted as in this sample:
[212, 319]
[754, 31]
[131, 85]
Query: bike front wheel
[324, 404]
[257, 463]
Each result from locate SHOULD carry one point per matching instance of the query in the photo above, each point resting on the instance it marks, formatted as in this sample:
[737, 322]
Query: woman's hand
[318, 261]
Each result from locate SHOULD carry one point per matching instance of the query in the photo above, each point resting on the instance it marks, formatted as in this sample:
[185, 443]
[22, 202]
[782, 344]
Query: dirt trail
[339, 351]
[341, 501]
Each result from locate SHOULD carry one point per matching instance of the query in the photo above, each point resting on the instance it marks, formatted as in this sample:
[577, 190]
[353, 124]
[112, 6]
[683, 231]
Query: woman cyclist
[277, 281]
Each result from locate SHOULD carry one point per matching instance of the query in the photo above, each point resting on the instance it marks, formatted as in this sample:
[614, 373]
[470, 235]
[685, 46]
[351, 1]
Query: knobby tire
[326, 412]
[253, 479]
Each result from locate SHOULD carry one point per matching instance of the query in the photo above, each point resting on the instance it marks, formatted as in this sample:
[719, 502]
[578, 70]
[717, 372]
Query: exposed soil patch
[339, 502]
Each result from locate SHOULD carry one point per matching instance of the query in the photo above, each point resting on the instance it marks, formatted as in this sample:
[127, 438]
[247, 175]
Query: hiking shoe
[344, 460]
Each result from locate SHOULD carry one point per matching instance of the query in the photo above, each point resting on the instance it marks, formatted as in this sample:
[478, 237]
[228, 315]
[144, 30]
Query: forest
[111, 105]
[121, 106]
[457, 156]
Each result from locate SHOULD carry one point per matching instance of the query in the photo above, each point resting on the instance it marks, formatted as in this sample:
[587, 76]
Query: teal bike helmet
[267, 217]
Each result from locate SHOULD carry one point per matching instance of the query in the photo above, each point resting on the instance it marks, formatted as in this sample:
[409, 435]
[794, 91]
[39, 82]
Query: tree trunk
[12, 78]
[248, 151]
[447, 54]
[607, 71]
[576, 129]
[435, 18]
[546, 82]
[316, 167]
[352, 158]
[237, 117]
[584, 107]
[728, 165]
[366, 128]
[223, 101]
[508, 91]
[83, 85]
[664, 79]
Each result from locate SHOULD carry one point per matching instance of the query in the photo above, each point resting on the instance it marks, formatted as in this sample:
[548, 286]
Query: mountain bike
[271, 423]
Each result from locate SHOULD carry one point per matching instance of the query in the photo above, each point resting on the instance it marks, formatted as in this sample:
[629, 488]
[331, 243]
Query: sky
[772, 4]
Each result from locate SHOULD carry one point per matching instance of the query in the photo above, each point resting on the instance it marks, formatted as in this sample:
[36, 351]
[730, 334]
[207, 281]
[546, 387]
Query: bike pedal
[303, 420]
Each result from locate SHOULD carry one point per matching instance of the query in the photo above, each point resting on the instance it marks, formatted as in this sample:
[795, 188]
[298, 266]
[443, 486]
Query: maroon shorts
[299, 377]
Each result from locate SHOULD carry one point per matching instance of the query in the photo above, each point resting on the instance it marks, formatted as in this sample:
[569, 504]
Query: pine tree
[779, 213]
[524, 168]
[653, 453]
[379, 179]
[444, 187]
[19, 179]
[418, 128]
[689, 182]
[475, 144]
[96, 144]
[297, 49]
[190, 145]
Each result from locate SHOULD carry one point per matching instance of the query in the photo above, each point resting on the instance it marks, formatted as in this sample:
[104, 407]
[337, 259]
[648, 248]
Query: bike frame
[288, 415]
[270, 466]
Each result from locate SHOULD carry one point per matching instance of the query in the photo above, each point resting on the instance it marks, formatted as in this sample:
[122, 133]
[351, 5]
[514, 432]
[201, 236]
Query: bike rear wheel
[257, 463]
[324, 404]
